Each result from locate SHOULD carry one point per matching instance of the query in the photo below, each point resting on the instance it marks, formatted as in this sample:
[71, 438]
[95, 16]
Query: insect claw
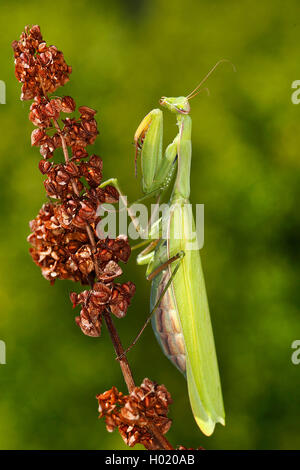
[135, 160]
[119, 358]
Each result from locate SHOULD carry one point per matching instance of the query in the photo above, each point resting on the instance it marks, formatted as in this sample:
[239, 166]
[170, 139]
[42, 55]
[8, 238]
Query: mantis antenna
[197, 90]
[200, 91]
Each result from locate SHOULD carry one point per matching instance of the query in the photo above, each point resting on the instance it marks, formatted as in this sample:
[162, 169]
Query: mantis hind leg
[175, 259]
[162, 267]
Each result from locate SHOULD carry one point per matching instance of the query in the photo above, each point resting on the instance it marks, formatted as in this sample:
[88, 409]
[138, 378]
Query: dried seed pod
[89, 326]
[110, 272]
[84, 260]
[37, 136]
[45, 166]
[131, 413]
[86, 112]
[68, 105]
[92, 170]
[78, 152]
[121, 297]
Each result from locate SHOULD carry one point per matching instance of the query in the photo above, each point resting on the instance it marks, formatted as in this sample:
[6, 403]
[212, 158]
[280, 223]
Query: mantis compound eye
[183, 109]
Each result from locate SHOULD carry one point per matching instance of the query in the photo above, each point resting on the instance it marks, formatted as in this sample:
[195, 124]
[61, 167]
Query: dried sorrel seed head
[131, 413]
[41, 69]
[64, 242]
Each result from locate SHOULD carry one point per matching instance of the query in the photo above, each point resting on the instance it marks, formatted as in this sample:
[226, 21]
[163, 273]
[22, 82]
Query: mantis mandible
[178, 304]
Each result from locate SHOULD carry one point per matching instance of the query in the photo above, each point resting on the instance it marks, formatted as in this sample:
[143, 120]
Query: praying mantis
[178, 304]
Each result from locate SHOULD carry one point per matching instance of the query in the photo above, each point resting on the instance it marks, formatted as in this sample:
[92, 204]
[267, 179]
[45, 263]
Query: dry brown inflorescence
[130, 413]
[64, 242]
[63, 238]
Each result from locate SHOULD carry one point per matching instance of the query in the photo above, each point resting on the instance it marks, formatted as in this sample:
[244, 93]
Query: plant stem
[119, 350]
[159, 437]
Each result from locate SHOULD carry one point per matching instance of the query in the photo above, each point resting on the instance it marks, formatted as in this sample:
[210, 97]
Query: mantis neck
[182, 184]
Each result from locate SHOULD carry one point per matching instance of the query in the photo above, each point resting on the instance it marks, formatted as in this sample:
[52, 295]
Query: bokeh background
[245, 169]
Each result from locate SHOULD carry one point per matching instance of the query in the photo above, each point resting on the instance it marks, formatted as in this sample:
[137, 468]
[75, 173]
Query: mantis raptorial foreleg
[157, 169]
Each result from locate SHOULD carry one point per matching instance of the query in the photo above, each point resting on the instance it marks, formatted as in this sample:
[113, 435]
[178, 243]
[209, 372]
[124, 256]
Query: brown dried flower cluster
[78, 133]
[131, 413]
[41, 69]
[65, 253]
[64, 241]
[58, 252]
[104, 296]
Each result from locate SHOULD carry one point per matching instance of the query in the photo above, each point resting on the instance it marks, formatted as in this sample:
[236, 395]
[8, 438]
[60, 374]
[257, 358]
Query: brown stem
[158, 436]
[119, 349]
[126, 371]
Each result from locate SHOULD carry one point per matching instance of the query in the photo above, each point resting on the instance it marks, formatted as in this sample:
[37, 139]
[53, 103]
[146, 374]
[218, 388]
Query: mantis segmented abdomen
[166, 323]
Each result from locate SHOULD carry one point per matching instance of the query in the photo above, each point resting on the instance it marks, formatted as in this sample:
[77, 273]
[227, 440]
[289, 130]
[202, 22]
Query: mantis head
[179, 105]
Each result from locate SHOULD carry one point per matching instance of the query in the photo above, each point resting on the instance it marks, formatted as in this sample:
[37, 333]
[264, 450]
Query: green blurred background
[245, 169]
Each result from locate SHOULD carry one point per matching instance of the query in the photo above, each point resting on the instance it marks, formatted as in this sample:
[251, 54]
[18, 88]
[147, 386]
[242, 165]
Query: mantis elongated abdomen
[166, 322]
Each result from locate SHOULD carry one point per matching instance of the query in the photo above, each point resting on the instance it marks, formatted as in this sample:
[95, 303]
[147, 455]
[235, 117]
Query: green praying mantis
[178, 304]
